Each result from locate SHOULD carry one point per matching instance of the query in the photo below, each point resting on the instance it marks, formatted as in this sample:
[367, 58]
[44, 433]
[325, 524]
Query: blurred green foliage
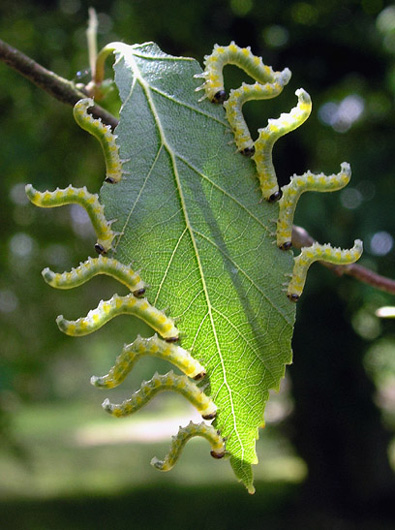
[341, 52]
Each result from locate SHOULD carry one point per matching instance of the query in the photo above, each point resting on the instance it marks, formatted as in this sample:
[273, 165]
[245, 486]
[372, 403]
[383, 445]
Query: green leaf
[190, 216]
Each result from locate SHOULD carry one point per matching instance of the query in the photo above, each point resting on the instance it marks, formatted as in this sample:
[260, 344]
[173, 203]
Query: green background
[324, 456]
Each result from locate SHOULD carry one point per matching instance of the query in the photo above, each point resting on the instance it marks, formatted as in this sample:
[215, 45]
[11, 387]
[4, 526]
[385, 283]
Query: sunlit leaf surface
[190, 217]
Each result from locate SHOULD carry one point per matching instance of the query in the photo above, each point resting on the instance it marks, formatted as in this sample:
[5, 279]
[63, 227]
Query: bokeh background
[327, 456]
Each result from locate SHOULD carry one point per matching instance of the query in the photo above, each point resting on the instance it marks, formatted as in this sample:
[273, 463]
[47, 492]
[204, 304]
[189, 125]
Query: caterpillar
[233, 107]
[102, 133]
[298, 185]
[241, 57]
[184, 434]
[120, 305]
[276, 128]
[317, 252]
[81, 196]
[156, 347]
[160, 383]
[92, 267]
[129, 304]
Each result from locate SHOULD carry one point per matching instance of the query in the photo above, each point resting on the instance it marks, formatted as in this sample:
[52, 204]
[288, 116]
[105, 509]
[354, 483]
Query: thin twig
[301, 238]
[58, 87]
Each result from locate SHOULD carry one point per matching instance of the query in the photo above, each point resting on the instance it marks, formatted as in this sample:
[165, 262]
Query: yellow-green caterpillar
[156, 347]
[276, 128]
[298, 185]
[120, 305]
[317, 252]
[92, 267]
[184, 434]
[161, 383]
[106, 138]
[234, 114]
[241, 57]
[81, 196]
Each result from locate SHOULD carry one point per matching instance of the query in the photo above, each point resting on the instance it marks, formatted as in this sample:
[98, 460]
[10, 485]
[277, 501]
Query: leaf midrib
[164, 144]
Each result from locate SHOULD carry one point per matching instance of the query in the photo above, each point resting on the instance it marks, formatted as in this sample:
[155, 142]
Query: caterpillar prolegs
[131, 303]
[269, 84]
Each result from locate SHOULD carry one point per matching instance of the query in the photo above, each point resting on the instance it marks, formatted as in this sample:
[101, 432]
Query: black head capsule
[248, 151]
[275, 196]
[139, 292]
[200, 376]
[110, 180]
[209, 416]
[286, 246]
[100, 249]
[217, 455]
[293, 297]
[219, 97]
[172, 339]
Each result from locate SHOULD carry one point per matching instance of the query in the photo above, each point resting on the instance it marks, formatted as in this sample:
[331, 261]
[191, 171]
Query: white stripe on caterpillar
[92, 267]
[184, 434]
[120, 305]
[156, 347]
[317, 252]
[104, 135]
[286, 123]
[81, 196]
[298, 185]
[160, 383]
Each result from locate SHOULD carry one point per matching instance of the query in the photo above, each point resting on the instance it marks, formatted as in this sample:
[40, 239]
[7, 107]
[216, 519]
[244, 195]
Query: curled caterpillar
[161, 383]
[241, 57]
[184, 434]
[298, 185]
[120, 305]
[103, 133]
[317, 252]
[234, 114]
[286, 123]
[92, 267]
[81, 196]
[156, 347]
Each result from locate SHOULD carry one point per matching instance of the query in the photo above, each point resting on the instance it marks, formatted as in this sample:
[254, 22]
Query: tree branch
[56, 86]
[301, 238]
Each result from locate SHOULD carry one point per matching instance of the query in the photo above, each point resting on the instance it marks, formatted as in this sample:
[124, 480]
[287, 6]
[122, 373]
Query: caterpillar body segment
[120, 305]
[155, 347]
[233, 107]
[186, 433]
[104, 135]
[298, 185]
[92, 267]
[160, 383]
[89, 201]
[276, 128]
[317, 252]
[244, 59]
